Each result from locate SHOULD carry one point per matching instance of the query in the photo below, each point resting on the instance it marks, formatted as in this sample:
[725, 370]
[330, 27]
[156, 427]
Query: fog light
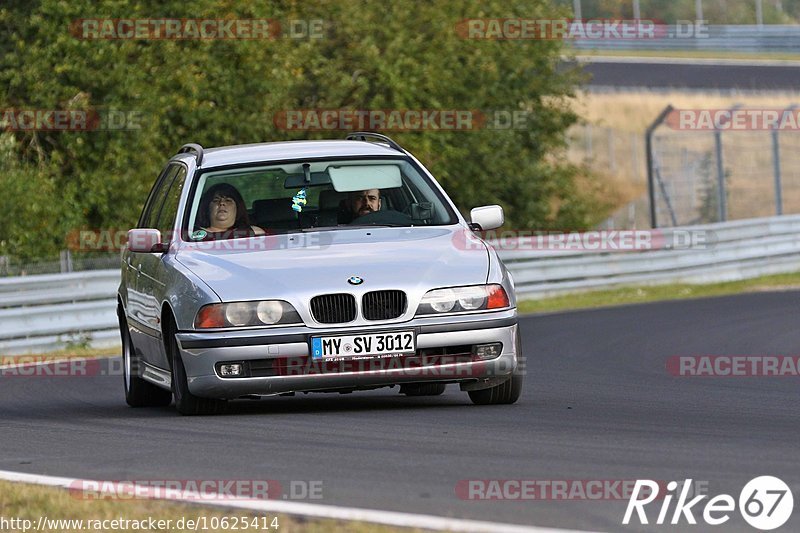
[488, 351]
[231, 370]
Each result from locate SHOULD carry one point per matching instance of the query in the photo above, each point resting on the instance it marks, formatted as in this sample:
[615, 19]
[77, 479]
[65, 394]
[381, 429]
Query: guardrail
[39, 313]
[735, 250]
[741, 38]
[54, 311]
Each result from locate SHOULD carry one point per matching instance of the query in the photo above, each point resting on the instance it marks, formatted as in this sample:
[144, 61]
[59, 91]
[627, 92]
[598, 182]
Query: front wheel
[185, 402]
[138, 392]
[504, 393]
[508, 391]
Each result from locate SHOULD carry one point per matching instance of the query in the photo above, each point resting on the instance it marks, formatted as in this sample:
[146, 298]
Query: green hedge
[372, 55]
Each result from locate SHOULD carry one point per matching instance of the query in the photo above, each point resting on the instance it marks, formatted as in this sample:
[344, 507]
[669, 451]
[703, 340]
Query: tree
[373, 55]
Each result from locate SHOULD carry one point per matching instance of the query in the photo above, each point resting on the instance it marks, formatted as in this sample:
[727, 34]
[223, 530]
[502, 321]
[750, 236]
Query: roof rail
[363, 135]
[193, 147]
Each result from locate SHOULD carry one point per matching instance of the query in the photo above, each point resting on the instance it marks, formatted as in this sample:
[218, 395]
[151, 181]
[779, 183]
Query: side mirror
[146, 241]
[487, 217]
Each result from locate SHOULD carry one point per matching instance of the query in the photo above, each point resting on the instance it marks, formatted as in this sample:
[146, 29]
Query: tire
[185, 402]
[423, 389]
[510, 390]
[138, 392]
[506, 393]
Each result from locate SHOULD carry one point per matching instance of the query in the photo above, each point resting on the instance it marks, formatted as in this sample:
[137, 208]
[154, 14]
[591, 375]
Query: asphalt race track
[693, 74]
[598, 405]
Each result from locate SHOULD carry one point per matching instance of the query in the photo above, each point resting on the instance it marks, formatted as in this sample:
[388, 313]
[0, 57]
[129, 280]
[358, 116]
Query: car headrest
[273, 210]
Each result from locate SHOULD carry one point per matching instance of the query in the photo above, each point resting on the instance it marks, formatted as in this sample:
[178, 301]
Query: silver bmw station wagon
[311, 266]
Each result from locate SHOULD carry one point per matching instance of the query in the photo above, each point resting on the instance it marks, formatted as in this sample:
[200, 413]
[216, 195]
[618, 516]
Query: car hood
[293, 265]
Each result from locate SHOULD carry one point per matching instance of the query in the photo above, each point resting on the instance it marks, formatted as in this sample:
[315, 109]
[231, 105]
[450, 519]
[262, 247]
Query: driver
[364, 202]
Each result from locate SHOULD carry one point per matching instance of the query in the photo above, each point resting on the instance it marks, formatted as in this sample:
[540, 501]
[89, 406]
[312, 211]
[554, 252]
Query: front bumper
[202, 351]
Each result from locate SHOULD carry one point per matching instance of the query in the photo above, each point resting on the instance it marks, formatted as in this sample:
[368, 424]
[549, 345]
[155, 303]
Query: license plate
[369, 345]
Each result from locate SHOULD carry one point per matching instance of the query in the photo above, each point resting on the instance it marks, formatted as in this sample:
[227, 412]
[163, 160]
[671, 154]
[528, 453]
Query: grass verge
[66, 353]
[642, 294]
[30, 502]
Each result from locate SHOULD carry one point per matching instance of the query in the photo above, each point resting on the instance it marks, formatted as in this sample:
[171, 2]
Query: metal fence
[695, 177]
[619, 156]
[42, 313]
[698, 177]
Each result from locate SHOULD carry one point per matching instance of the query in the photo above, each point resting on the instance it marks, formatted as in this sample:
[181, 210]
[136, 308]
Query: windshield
[316, 195]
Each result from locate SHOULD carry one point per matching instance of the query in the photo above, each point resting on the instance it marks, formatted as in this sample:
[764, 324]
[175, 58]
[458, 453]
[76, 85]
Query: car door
[144, 303]
[130, 271]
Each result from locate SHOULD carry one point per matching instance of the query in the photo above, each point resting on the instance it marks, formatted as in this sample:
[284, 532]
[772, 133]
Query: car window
[169, 209]
[156, 199]
[284, 198]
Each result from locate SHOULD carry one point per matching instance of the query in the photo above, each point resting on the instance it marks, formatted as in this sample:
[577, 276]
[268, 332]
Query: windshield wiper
[383, 225]
[353, 226]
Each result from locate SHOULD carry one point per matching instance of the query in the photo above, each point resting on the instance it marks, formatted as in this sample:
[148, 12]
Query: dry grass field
[634, 111]
[610, 141]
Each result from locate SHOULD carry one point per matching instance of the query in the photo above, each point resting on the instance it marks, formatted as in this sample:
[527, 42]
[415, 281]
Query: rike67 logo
[765, 503]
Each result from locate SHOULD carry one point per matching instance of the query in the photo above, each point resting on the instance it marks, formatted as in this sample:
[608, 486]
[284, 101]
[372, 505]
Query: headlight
[244, 314]
[239, 313]
[269, 311]
[461, 299]
[441, 301]
[471, 299]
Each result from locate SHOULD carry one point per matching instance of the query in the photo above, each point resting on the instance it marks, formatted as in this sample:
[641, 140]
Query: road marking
[391, 518]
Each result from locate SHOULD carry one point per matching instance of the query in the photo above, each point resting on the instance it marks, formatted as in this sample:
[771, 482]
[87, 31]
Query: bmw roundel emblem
[355, 280]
